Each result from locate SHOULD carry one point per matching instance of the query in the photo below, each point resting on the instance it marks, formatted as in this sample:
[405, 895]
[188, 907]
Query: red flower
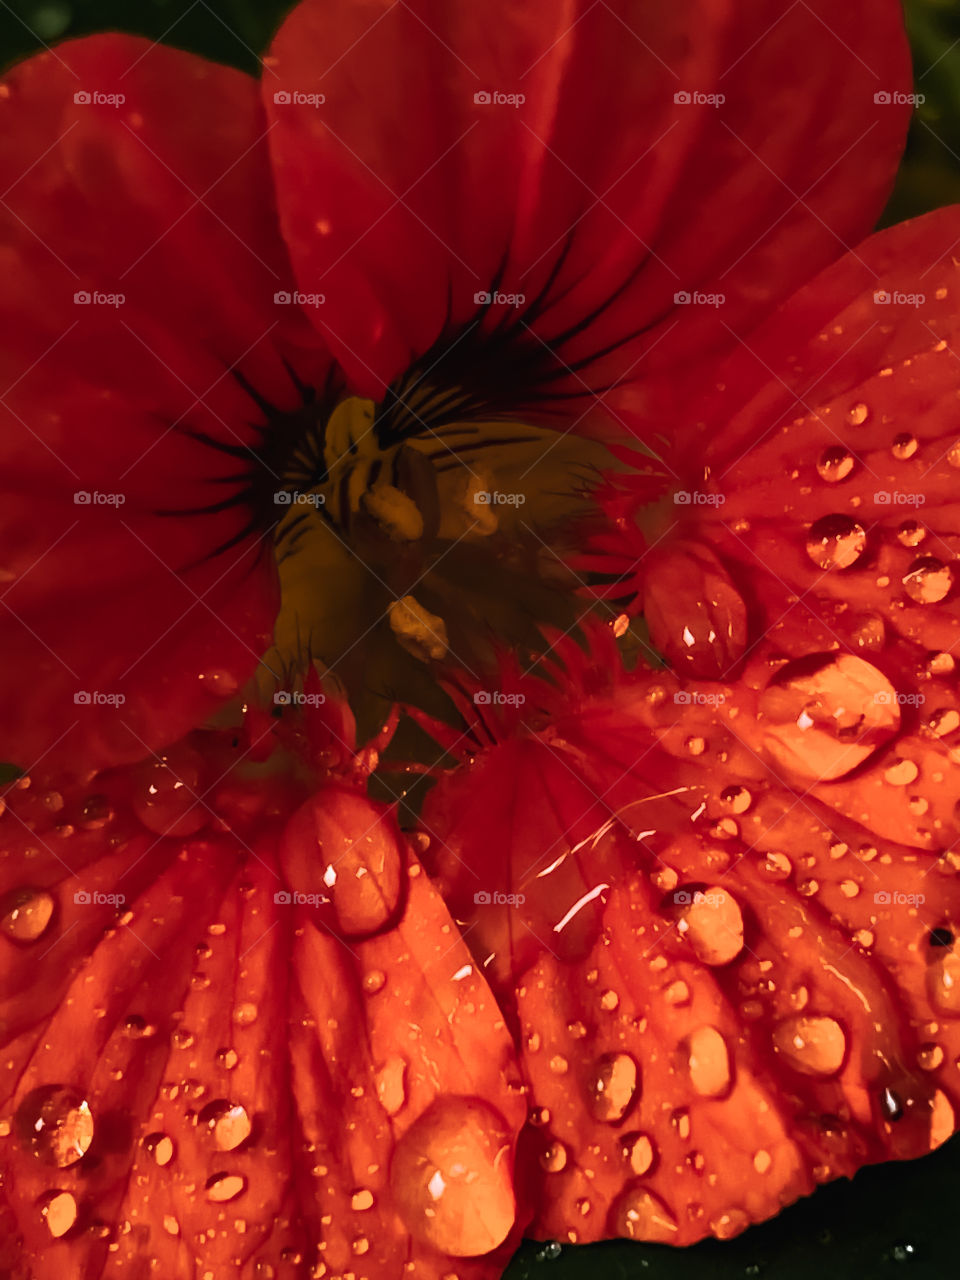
[700, 976]
[401, 200]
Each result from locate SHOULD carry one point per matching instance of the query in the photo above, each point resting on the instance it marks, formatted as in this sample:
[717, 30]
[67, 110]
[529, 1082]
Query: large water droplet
[54, 1122]
[928, 580]
[390, 1080]
[708, 1062]
[638, 1214]
[835, 464]
[638, 1151]
[346, 850]
[221, 1187]
[713, 925]
[228, 1123]
[167, 792]
[826, 713]
[25, 914]
[59, 1210]
[452, 1179]
[904, 446]
[836, 542]
[160, 1147]
[612, 1086]
[814, 1046]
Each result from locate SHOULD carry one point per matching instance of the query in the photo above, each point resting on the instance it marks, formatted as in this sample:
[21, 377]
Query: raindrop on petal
[451, 1177]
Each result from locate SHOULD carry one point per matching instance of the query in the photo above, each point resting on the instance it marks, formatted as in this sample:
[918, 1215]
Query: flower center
[405, 545]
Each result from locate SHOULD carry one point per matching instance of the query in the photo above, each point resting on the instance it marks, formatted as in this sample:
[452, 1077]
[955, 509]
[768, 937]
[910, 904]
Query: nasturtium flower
[307, 322]
[448, 385]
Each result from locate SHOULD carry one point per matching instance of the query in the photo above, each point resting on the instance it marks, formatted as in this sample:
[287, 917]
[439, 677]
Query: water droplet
[696, 746]
[553, 1158]
[373, 981]
[713, 926]
[869, 632]
[55, 1124]
[390, 1080]
[640, 1215]
[928, 580]
[559, 1065]
[612, 1086]
[911, 533]
[943, 981]
[221, 1187]
[738, 799]
[929, 1057]
[814, 1046]
[835, 464]
[826, 713]
[939, 664]
[170, 1225]
[942, 722]
[777, 866]
[346, 849]
[638, 1151]
[59, 1210]
[451, 1177]
[609, 1001]
[25, 914]
[836, 542]
[227, 1059]
[762, 1161]
[904, 446]
[858, 413]
[246, 1013]
[228, 1123]
[708, 1062]
[361, 1200]
[901, 773]
[167, 791]
[160, 1147]
[96, 813]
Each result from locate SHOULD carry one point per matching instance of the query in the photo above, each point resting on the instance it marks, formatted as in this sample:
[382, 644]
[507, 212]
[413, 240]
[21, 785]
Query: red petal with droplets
[725, 990]
[501, 171]
[142, 259]
[201, 1071]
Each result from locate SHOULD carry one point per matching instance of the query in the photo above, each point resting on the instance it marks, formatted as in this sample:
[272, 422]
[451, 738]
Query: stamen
[420, 632]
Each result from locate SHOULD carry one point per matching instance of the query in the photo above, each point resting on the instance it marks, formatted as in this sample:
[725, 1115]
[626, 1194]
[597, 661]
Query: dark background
[895, 1220]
